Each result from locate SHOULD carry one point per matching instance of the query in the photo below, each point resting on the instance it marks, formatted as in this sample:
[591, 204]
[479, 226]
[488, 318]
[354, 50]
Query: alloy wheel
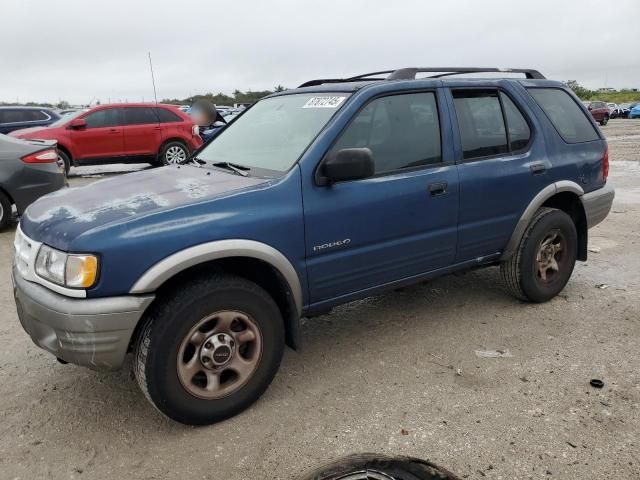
[175, 154]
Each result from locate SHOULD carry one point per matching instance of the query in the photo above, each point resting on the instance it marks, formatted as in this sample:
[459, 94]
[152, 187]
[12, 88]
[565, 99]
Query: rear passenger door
[142, 133]
[400, 223]
[501, 169]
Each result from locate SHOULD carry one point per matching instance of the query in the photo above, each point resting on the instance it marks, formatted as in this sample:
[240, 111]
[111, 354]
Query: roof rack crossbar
[410, 74]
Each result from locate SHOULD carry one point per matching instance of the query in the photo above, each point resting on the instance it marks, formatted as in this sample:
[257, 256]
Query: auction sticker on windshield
[324, 102]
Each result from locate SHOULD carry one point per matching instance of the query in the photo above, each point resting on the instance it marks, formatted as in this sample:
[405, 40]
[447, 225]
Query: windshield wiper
[239, 169]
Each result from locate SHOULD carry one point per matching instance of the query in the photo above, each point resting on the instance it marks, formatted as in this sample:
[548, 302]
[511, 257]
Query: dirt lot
[399, 373]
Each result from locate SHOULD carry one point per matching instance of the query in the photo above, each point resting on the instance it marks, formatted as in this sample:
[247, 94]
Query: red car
[599, 111]
[121, 133]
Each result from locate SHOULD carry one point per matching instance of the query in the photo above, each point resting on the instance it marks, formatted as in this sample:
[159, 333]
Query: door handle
[538, 168]
[114, 130]
[439, 188]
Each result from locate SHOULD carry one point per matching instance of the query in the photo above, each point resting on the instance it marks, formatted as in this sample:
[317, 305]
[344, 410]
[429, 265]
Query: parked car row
[602, 111]
[120, 133]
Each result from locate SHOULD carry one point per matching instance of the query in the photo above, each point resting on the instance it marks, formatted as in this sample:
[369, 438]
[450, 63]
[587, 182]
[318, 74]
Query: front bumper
[597, 204]
[94, 332]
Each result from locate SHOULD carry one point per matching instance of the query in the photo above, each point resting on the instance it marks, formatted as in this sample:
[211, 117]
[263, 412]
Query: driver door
[102, 138]
[400, 223]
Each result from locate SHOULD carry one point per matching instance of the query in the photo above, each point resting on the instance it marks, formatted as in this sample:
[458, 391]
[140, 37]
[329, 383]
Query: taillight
[43, 156]
[605, 164]
[195, 130]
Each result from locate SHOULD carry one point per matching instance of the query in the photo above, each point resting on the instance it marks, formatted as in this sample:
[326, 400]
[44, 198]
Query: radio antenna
[153, 79]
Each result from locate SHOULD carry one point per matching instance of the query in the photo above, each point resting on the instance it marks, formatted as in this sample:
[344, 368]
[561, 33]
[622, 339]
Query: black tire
[393, 468]
[169, 322]
[521, 273]
[604, 121]
[66, 161]
[6, 212]
[166, 156]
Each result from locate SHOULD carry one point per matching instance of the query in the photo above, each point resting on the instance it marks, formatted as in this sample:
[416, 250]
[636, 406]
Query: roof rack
[410, 74]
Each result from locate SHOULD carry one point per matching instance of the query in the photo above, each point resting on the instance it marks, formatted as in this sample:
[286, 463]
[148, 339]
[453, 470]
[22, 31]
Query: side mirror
[347, 164]
[78, 123]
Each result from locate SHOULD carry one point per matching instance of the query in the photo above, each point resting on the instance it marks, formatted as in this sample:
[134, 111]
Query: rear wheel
[5, 211]
[66, 161]
[173, 153]
[209, 351]
[604, 121]
[544, 261]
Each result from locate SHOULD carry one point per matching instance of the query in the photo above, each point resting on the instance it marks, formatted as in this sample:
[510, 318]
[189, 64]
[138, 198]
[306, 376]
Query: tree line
[238, 96]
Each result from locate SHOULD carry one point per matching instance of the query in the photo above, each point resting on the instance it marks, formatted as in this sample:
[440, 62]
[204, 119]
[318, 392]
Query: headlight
[68, 270]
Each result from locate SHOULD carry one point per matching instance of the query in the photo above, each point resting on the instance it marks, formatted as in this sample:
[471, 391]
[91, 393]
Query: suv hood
[59, 218]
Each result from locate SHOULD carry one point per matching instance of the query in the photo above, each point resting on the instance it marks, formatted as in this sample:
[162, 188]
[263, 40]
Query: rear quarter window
[167, 116]
[564, 113]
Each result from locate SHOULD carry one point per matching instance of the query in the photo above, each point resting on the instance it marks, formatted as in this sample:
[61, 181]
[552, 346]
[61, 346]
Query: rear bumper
[35, 182]
[597, 204]
[94, 333]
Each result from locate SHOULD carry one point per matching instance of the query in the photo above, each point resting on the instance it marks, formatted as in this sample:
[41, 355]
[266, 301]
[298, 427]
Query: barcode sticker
[324, 102]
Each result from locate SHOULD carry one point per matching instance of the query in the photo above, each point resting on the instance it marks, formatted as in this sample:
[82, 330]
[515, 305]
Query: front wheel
[209, 351]
[544, 261]
[65, 160]
[604, 121]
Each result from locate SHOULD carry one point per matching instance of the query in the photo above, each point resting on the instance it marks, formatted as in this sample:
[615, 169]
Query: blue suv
[317, 196]
[18, 117]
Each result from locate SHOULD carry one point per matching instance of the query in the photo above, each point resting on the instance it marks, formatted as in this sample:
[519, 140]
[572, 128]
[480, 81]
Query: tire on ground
[520, 272]
[6, 211]
[65, 160]
[169, 322]
[400, 468]
[168, 151]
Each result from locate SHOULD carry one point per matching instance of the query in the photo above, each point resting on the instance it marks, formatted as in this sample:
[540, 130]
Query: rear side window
[402, 131]
[566, 116]
[167, 116]
[140, 116]
[481, 124]
[36, 115]
[517, 127]
[12, 116]
[102, 118]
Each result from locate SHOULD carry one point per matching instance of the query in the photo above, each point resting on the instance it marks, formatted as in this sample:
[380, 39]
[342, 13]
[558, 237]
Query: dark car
[15, 118]
[599, 112]
[28, 170]
[314, 197]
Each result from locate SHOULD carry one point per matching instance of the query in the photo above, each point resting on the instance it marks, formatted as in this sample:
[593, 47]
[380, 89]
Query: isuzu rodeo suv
[316, 196]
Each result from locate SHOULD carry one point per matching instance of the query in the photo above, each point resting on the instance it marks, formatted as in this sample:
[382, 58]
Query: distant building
[607, 90]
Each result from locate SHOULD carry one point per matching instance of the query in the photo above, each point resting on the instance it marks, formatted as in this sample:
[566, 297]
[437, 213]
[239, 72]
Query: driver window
[102, 118]
[402, 131]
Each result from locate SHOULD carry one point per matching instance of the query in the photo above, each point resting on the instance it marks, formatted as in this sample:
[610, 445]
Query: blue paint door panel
[390, 228]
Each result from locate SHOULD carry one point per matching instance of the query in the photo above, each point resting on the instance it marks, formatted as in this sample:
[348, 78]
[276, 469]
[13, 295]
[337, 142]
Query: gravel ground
[400, 373]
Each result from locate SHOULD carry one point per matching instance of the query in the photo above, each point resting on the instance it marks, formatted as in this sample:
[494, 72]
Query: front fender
[162, 271]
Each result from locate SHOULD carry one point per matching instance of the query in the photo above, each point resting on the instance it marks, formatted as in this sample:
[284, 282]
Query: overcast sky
[79, 50]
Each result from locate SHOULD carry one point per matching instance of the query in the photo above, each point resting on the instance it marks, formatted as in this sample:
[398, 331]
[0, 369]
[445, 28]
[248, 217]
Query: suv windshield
[274, 133]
